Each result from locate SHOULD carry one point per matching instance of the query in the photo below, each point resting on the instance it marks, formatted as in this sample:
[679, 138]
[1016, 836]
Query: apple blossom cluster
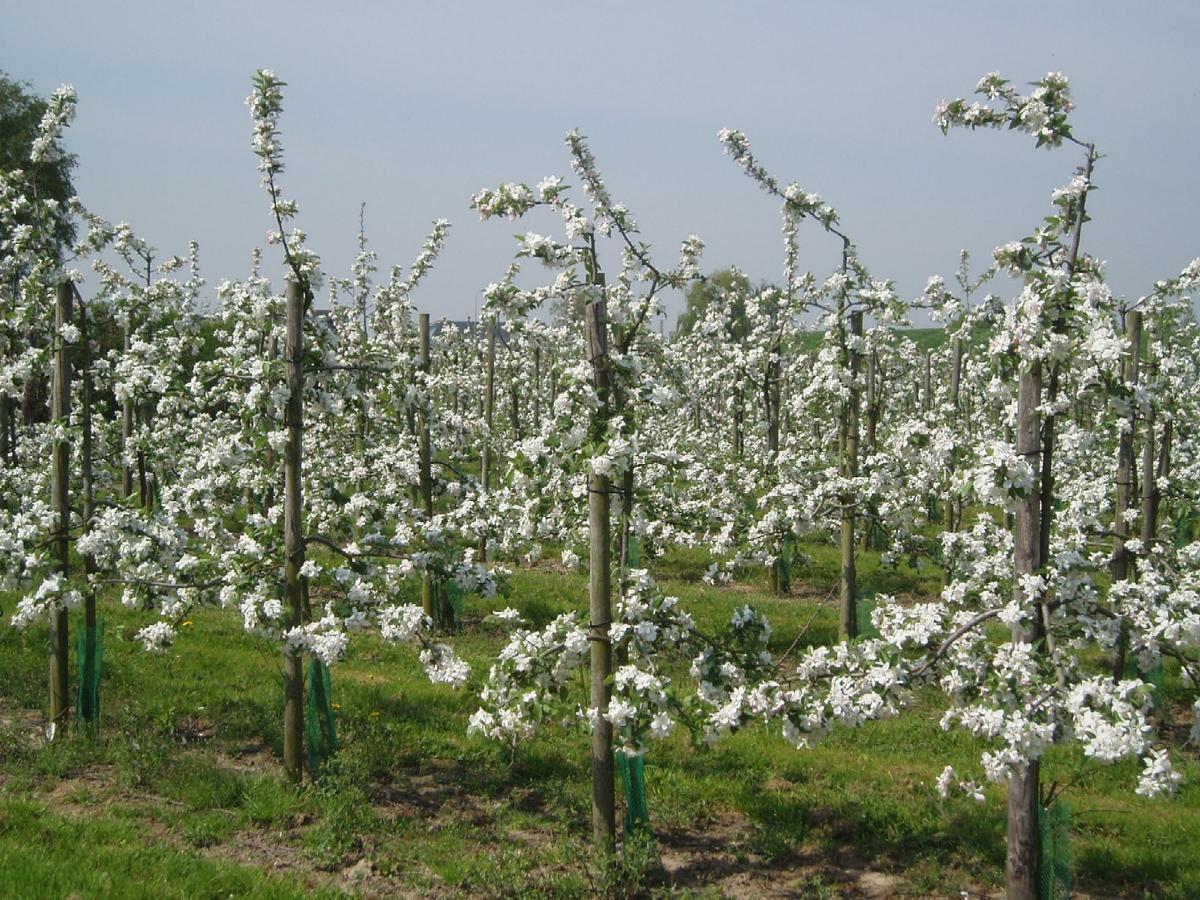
[1042, 113]
[60, 112]
[266, 106]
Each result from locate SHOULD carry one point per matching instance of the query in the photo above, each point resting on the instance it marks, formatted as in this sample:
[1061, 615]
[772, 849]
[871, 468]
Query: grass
[181, 793]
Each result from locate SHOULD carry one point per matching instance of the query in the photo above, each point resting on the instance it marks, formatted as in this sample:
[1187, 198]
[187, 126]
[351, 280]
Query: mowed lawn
[181, 793]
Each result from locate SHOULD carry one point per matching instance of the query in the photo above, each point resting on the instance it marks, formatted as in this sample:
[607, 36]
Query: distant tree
[723, 286]
[21, 111]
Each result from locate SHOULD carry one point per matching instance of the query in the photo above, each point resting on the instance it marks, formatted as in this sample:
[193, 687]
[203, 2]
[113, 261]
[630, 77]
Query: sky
[410, 108]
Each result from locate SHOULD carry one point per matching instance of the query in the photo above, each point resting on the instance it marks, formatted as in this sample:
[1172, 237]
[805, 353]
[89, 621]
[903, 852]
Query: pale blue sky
[412, 107]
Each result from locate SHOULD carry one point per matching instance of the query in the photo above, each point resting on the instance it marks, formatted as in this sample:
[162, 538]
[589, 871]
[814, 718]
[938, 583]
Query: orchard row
[298, 468]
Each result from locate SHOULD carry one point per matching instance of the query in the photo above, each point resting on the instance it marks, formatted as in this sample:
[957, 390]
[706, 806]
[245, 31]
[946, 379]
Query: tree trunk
[489, 404]
[604, 827]
[626, 549]
[872, 400]
[293, 538]
[868, 540]
[1164, 470]
[537, 389]
[268, 499]
[952, 514]
[1119, 567]
[425, 454]
[1151, 497]
[6, 431]
[849, 577]
[780, 582]
[87, 710]
[1048, 434]
[515, 397]
[1024, 840]
[61, 503]
[927, 385]
[33, 401]
[126, 430]
[738, 413]
[1024, 836]
[145, 495]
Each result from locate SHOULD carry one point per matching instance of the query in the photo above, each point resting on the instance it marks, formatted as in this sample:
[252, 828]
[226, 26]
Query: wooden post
[1024, 839]
[849, 579]
[489, 405]
[604, 822]
[293, 538]
[425, 454]
[1119, 567]
[60, 459]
